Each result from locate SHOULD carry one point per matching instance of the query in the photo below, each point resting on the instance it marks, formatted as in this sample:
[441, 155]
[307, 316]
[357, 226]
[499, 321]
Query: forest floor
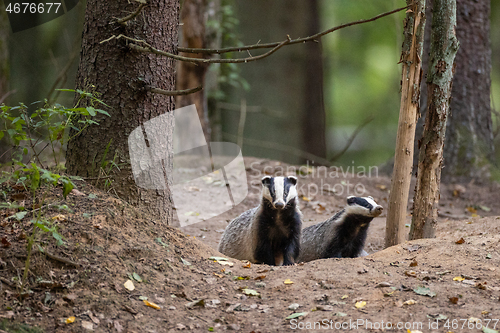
[450, 283]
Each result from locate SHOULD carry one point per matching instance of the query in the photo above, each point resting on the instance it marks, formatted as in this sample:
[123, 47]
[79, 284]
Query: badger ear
[351, 199]
[292, 179]
[266, 180]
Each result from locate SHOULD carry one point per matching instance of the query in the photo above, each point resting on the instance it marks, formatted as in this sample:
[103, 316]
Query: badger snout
[279, 204]
[376, 211]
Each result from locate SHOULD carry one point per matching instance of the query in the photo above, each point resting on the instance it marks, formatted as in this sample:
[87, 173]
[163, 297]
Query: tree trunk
[191, 75]
[444, 46]
[314, 118]
[122, 76]
[411, 76]
[4, 55]
[469, 143]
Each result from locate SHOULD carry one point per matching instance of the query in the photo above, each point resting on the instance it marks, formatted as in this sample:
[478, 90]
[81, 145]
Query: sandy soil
[107, 241]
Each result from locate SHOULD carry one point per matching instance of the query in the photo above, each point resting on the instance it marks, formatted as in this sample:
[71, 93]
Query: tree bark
[411, 76]
[191, 75]
[444, 46]
[469, 143]
[123, 76]
[4, 54]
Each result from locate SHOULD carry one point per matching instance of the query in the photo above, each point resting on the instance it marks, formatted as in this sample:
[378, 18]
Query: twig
[123, 21]
[175, 92]
[280, 147]
[241, 125]
[61, 259]
[7, 94]
[149, 49]
[453, 217]
[293, 41]
[351, 138]
[7, 282]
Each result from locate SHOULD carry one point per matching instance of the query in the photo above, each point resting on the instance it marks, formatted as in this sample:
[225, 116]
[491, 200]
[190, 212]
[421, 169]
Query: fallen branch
[7, 282]
[174, 92]
[352, 137]
[123, 21]
[293, 41]
[453, 217]
[61, 259]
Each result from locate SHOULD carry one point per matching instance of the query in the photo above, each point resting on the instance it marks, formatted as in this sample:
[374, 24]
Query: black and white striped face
[279, 191]
[365, 206]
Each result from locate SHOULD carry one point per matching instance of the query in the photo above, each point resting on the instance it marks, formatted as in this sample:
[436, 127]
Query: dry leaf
[306, 198]
[226, 263]
[360, 304]
[70, 320]
[260, 277]
[344, 297]
[247, 265]
[409, 302]
[129, 285]
[59, 218]
[382, 187]
[454, 300]
[414, 263]
[471, 210]
[87, 325]
[458, 278]
[288, 281]
[152, 305]
[460, 241]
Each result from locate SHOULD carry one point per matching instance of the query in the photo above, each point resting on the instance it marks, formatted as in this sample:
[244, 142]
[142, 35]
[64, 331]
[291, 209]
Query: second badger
[270, 233]
[343, 235]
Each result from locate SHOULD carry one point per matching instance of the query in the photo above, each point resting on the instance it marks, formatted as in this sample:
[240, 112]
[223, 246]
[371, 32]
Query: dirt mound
[452, 281]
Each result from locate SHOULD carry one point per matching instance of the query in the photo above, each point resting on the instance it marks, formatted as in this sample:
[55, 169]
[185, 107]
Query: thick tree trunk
[444, 46]
[191, 75]
[122, 76]
[469, 142]
[411, 76]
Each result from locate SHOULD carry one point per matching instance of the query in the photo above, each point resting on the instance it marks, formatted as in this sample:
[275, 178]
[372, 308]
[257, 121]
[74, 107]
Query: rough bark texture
[469, 143]
[191, 75]
[411, 76]
[444, 46]
[121, 76]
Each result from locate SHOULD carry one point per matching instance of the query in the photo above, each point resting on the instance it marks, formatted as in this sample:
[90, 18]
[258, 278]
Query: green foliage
[25, 133]
[18, 328]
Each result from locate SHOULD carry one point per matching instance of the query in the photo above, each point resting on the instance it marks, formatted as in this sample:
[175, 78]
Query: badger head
[279, 191]
[365, 206]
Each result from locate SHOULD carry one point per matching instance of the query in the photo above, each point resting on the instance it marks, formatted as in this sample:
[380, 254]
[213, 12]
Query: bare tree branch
[149, 49]
[293, 41]
[174, 92]
[123, 20]
[351, 138]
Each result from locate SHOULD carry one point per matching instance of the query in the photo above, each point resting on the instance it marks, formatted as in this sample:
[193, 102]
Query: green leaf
[136, 277]
[57, 237]
[1, 134]
[18, 216]
[67, 186]
[185, 262]
[41, 226]
[488, 256]
[340, 314]
[35, 178]
[296, 315]
[91, 111]
[489, 330]
[92, 196]
[424, 291]
[103, 112]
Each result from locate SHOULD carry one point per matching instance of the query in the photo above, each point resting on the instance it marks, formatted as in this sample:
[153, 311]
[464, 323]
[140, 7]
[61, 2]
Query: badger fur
[343, 235]
[270, 233]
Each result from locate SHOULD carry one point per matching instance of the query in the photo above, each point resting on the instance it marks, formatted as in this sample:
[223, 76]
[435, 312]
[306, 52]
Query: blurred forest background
[304, 99]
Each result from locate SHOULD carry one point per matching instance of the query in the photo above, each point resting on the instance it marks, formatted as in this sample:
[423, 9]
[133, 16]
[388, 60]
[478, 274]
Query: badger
[269, 233]
[343, 235]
